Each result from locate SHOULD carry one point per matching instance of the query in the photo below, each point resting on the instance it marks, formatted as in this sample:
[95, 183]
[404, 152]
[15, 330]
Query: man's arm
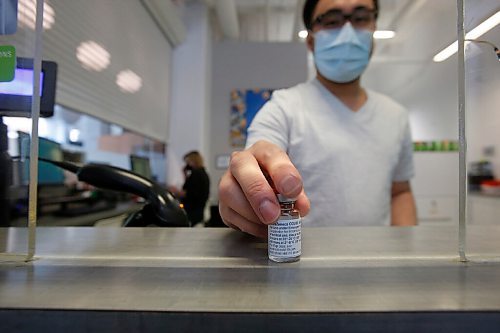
[403, 210]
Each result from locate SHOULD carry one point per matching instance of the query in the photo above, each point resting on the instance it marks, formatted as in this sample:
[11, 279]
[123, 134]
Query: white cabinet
[483, 209]
[435, 187]
[437, 210]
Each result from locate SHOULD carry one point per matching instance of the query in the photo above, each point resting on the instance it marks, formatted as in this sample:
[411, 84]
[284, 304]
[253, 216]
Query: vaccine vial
[285, 236]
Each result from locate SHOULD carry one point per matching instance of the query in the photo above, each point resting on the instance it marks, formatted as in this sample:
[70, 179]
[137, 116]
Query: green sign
[7, 63]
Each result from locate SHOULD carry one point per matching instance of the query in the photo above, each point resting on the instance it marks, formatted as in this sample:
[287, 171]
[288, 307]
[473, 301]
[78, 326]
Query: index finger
[246, 171]
[277, 164]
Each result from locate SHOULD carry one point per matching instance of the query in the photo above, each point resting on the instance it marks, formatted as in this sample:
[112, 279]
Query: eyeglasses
[361, 17]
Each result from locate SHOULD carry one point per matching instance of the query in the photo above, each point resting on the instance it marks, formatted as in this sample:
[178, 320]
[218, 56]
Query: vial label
[285, 238]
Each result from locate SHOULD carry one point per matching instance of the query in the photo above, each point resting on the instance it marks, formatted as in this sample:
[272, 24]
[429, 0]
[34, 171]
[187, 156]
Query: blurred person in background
[195, 191]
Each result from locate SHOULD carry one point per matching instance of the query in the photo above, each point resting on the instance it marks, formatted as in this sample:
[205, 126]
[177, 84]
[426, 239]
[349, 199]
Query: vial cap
[282, 198]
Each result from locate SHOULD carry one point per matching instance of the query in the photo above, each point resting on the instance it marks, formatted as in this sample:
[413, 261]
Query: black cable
[63, 165]
[495, 48]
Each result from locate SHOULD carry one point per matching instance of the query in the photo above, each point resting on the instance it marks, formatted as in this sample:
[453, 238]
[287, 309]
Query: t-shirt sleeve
[270, 124]
[405, 169]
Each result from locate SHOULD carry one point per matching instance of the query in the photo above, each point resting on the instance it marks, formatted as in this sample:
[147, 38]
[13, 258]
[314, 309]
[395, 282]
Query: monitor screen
[22, 85]
[73, 156]
[141, 166]
[16, 95]
[47, 173]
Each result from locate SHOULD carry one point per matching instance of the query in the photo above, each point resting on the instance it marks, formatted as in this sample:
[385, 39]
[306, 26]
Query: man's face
[345, 7]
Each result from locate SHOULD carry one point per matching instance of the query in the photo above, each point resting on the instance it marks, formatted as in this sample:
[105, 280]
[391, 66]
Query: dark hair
[308, 11]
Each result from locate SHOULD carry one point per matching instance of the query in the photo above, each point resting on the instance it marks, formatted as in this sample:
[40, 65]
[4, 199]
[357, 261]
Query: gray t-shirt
[347, 160]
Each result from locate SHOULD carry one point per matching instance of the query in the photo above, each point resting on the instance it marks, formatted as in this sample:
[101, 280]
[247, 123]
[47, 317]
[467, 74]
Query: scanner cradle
[162, 208]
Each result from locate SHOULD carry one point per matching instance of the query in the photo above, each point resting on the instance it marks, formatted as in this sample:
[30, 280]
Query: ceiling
[423, 28]
[281, 20]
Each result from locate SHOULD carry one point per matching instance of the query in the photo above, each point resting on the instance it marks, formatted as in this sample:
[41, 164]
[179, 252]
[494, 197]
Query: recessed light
[26, 14]
[93, 56]
[128, 81]
[303, 34]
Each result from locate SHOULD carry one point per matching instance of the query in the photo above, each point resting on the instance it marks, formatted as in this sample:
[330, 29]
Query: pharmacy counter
[349, 279]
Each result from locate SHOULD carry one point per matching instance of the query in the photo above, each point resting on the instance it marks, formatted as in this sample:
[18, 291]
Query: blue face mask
[341, 55]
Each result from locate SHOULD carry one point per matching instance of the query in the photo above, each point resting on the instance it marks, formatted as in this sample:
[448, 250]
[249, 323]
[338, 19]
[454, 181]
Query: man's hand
[247, 201]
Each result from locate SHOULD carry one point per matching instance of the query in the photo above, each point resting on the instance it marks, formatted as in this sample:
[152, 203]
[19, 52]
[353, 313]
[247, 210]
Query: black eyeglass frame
[346, 17]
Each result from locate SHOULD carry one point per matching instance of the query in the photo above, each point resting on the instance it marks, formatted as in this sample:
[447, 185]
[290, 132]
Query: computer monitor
[15, 96]
[48, 174]
[141, 166]
[77, 157]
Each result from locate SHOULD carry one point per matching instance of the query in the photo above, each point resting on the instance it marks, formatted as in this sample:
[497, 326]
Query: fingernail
[269, 211]
[290, 185]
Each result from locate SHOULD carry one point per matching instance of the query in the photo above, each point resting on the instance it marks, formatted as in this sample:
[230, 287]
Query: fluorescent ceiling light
[475, 33]
[26, 14]
[92, 56]
[384, 34]
[128, 81]
[379, 34]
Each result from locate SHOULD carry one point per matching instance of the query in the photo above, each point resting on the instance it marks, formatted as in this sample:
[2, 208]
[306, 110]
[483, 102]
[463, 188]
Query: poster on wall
[244, 106]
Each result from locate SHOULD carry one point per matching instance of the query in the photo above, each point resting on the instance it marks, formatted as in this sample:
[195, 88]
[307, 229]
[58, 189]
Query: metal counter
[213, 273]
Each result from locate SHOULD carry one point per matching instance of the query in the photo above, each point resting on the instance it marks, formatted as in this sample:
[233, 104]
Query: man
[347, 148]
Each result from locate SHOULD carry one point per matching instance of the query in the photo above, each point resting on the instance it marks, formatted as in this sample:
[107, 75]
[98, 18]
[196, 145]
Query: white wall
[432, 100]
[125, 29]
[483, 102]
[190, 103]
[247, 66]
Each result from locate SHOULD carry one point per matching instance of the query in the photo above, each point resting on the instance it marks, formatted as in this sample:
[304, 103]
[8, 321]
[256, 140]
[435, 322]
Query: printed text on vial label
[284, 238]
